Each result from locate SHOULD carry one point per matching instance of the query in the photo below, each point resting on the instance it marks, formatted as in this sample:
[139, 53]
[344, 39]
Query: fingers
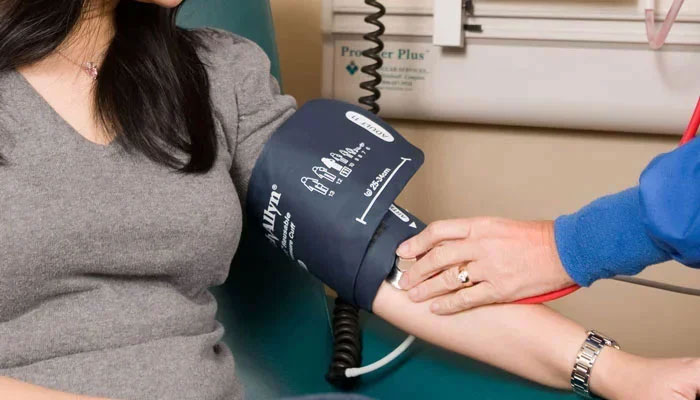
[432, 235]
[465, 299]
[445, 282]
[437, 260]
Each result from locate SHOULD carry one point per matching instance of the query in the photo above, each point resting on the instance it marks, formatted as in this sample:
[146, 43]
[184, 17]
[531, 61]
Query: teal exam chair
[276, 316]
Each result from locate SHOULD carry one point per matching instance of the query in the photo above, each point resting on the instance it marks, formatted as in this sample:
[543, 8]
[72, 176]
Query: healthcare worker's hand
[505, 260]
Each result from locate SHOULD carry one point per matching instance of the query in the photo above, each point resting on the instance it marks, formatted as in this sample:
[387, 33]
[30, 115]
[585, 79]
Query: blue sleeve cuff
[606, 238]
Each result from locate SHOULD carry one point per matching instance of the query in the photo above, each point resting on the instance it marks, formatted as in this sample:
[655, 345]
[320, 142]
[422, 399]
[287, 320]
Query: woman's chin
[163, 3]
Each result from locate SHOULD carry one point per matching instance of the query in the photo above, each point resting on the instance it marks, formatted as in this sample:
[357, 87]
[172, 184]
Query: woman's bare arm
[531, 341]
[14, 389]
[541, 345]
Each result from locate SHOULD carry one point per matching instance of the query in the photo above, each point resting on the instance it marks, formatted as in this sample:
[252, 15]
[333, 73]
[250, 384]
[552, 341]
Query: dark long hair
[152, 93]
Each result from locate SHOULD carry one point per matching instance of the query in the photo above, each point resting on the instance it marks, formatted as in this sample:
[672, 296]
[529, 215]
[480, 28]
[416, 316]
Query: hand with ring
[469, 263]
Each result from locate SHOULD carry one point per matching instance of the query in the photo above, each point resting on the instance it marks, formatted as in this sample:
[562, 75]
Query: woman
[127, 144]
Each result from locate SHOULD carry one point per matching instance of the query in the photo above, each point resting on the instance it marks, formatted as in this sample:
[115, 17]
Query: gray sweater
[106, 258]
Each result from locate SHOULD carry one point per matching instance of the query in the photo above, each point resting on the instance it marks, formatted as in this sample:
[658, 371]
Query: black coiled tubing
[375, 55]
[347, 344]
[347, 334]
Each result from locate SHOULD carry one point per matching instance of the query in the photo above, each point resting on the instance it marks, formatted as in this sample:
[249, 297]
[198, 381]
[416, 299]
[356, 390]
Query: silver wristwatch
[585, 359]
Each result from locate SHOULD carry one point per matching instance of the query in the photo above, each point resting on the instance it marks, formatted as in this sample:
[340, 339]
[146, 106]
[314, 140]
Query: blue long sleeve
[623, 233]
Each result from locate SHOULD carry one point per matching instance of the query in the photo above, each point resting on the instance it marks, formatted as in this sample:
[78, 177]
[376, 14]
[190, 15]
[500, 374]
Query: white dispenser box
[569, 64]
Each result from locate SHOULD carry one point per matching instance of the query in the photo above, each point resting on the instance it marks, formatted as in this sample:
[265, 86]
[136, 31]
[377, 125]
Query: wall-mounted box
[566, 64]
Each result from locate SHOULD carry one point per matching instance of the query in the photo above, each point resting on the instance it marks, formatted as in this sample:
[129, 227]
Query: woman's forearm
[531, 341]
[14, 389]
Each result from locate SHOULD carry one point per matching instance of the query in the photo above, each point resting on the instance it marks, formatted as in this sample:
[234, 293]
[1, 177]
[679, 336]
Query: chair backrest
[275, 314]
[249, 18]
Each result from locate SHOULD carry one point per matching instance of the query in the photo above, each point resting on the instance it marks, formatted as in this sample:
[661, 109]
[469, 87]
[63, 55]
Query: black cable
[658, 285]
[347, 334]
[347, 344]
[375, 55]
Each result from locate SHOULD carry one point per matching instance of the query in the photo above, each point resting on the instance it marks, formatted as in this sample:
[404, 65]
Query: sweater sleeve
[623, 233]
[262, 109]
[247, 100]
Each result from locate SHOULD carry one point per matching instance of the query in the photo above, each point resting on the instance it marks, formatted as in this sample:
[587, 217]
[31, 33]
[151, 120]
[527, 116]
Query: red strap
[689, 135]
[544, 298]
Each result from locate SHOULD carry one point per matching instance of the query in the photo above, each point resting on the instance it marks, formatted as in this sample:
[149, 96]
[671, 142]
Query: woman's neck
[92, 35]
[86, 43]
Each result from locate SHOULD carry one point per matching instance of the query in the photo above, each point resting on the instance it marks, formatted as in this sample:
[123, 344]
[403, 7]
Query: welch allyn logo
[370, 126]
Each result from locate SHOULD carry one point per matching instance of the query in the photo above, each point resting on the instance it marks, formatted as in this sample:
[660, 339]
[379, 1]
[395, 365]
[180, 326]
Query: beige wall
[523, 173]
[298, 24]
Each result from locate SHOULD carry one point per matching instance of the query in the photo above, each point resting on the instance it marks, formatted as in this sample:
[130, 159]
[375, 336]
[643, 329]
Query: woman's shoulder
[223, 49]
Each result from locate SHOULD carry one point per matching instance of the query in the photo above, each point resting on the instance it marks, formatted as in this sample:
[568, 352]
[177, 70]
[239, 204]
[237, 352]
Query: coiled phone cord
[375, 55]
[347, 334]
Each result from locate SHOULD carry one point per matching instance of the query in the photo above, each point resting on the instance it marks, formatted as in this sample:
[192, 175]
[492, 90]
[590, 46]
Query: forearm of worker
[530, 341]
[14, 389]
[623, 233]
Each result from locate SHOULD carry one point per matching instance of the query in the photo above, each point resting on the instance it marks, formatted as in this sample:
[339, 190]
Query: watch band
[585, 359]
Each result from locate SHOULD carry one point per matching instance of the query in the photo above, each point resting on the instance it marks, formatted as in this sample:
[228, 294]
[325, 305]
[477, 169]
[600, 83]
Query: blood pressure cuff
[322, 192]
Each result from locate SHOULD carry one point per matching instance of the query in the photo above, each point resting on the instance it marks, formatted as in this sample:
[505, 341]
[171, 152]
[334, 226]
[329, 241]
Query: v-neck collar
[22, 98]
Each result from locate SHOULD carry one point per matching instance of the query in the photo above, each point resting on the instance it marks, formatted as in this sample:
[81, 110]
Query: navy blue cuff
[606, 238]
